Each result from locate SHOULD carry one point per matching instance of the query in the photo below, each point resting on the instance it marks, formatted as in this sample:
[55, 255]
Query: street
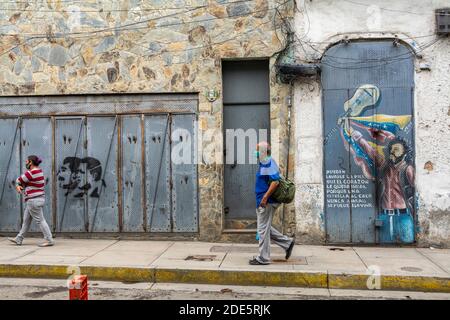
[49, 289]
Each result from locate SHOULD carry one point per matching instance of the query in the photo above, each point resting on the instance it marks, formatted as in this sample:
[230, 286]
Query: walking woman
[33, 181]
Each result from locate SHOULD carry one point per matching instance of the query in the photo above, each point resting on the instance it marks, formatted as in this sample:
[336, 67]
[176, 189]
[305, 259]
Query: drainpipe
[289, 105]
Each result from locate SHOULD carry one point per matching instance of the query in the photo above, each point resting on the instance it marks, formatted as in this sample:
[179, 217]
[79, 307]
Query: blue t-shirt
[267, 171]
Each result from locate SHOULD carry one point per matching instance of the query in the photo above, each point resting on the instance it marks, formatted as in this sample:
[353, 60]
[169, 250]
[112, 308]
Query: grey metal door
[36, 139]
[104, 173]
[10, 205]
[368, 108]
[247, 114]
[132, 177]
[72, 190]
[157, 173]
[102, 179]
[184, 174]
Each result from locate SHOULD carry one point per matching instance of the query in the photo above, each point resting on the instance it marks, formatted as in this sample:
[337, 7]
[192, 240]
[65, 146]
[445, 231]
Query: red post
[78, 288]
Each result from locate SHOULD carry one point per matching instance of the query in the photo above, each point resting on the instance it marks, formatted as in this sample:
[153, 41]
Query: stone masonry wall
[54, 47]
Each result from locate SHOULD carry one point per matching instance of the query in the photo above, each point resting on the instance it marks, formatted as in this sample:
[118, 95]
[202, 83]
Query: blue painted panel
[346, 66]
[362, 189]
[337, 170]
[157, 173]
[133, 213]
[184, 174]
[71, 175]
[399, 227]
[10, 207]
[37, 140]
[102, 174]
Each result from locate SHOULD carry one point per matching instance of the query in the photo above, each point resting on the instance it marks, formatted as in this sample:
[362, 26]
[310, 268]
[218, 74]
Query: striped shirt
[34, 183]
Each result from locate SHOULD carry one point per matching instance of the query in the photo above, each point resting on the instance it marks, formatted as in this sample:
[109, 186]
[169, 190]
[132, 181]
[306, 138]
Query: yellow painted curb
[230, 277]
[244, 278]
[63, 272]
[387, 282]
[33, 271]
[119, 274]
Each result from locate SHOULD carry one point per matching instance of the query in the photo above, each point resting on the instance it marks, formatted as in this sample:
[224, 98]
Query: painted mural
[71, 177]
[378, 145]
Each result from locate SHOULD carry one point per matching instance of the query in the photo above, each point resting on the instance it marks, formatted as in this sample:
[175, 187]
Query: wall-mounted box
[443, 21]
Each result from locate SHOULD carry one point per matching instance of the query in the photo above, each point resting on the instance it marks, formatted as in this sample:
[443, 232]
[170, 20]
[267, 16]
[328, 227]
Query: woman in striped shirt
[33, 181]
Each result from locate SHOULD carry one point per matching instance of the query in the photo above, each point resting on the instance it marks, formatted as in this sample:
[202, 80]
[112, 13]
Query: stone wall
[323, 23]
[54, 47]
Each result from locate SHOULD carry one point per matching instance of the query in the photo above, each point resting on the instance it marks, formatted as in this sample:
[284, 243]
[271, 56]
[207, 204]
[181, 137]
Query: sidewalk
[413, 269]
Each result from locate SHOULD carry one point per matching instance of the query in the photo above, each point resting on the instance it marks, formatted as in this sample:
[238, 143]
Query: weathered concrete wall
[325, 22]
[45, 48]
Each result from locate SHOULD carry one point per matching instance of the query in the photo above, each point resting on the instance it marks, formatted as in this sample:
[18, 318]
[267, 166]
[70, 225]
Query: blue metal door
[368, 116]
[37, 139]
[72, 190]
[10, 205]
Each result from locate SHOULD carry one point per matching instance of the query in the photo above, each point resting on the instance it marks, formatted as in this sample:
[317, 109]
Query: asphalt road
[47, 289]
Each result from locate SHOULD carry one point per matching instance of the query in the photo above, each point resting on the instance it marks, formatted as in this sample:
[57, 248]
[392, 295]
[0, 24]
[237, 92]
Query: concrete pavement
[416, 269]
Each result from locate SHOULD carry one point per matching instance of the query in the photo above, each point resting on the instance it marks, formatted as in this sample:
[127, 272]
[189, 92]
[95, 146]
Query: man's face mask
[28, 164]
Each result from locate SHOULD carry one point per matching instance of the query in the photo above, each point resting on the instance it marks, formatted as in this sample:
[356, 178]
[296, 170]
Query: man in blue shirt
[267, 180]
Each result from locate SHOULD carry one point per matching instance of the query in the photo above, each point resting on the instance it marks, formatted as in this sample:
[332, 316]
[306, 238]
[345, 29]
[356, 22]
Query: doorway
[369, 143]
[246, 121]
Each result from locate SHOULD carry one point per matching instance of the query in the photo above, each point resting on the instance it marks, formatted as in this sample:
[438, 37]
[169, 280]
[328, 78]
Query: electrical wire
[386, 62]
[355, 60]
[386, 9]
[304, 12]
[109, 10]
[203, 46]
[125, 27]
[91, 33]
[302, 42]
[368, 63]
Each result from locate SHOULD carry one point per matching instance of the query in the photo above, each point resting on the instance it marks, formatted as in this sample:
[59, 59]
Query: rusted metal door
[368, 113]
[10, 205]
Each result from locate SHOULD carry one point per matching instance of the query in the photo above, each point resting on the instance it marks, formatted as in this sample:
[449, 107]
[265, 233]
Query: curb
[391, 282]
[230, 277]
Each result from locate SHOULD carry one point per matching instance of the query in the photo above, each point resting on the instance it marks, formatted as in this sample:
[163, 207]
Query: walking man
[33, 181]
[267, 180]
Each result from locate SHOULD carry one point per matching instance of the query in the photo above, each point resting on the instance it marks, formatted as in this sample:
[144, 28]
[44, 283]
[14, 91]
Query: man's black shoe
[289, 250]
